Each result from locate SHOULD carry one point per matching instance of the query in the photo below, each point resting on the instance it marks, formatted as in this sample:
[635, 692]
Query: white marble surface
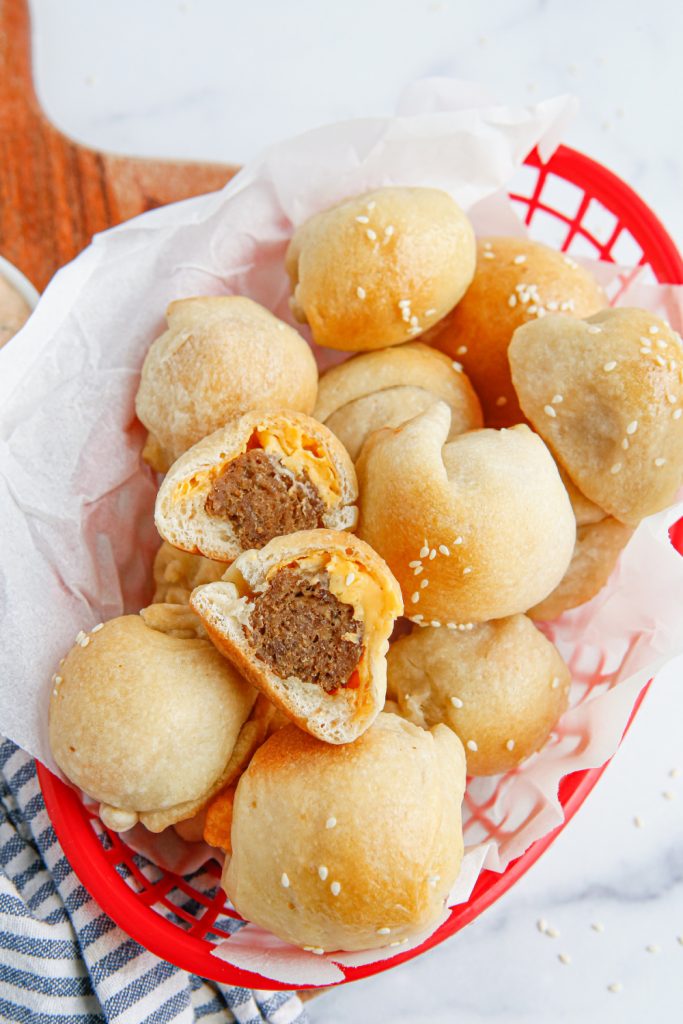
[218, 80]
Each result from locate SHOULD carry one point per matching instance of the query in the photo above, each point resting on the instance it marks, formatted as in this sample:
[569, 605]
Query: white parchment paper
[76, 501]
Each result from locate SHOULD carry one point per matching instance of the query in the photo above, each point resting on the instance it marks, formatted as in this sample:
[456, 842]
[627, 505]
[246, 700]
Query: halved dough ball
[473, 529]
[606, 394]
[501, 686]
[261, 476]
[307, 620]
[380, 268]
[348, 848]
[388, 387]
[146, 722]
[516, 281]
[220, 356]
[598, 546]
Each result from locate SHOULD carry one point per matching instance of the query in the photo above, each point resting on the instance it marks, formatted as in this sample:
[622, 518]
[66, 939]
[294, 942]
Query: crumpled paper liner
[77, 503]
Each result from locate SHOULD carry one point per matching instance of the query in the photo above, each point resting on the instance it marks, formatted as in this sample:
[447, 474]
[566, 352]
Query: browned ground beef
[298, 628]
[261, 501]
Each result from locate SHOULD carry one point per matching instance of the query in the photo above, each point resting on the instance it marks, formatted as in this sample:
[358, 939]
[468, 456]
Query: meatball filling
[299, 628]
[261, 500]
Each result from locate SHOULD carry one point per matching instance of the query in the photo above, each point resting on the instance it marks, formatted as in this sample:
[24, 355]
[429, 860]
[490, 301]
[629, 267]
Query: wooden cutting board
[56, 194]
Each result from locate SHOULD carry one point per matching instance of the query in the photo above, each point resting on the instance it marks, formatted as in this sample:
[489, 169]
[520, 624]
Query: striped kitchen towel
[63, 961]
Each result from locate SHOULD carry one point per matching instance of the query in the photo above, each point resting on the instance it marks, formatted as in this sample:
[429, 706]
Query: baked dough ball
[307, 620]
[176, 574]
[500, 686]
[219, 357]
[606, 395]
[598, 546]
[261, 476]
[362, 842]
[585, 511]
[146, 722]
[388, 387]
[14, 311]
[473, 529]
[380, 268]
[516, 280]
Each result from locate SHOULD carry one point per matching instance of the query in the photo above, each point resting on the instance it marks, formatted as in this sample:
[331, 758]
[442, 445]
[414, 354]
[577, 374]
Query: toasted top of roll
[363, 843]
[516, 281]
[380, 268]
[220, 356]
[501, 686]
[146, 722]
[260, 476]
[473, 529]
[176, 573]
[307, 620]
[387, 387]
[606, 394]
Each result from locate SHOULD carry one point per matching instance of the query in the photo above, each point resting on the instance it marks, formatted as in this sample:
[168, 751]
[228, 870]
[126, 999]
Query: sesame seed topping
[571, 263]
[660, 462]
[472, 745]
[467, 570]
[632, 427]
[671, 399]
[444, 550]
[86, 639]
[335, 888]
[58, 680]
[424, 550]
[457, 366]
[318, 950]
[415, 597]
[510, 745]
[331, 822]
[97, 628]
[660, 360]
[638, 822]
[488, 255]
[519, 259]
[654, 329]
[458, 540]
[564, 958]
[555, 683]
[624, 444]
[542, 925]
[616, 468]
[678, 413]
[389, 230]
[616, 986]
[608, 367]
[512, 301]
[54, 692]
[417, 618]
[349, 579]
[383, 931]
[456, 702]
[461, 350]
[432, 554]
[668, 795]
[433, 879]
[322, 872]
[424, 584]
[592, 328]
[451, 625]
[284, 880]
[362, 219]
[414, 321]
[414, 564]
[360, 292]
[661, 343]
[404, 303]
[548, 409]
[418, 569]
[372, 235]
[598, 926]
[435, 623]
[556, 399]
[501, 400]
[653, 948]
[646, 351]
[552, 933]
[80, 636]
[430, 312]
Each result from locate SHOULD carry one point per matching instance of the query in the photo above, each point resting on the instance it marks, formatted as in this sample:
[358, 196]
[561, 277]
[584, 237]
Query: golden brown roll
[364, 841]
[176, 574]
[473, 529]
[606, 395]
[220, 356]
[516, 281]
[380, 268]
[261, 476]
[14, 311]
[388, 387]
[146, 722]
[501, 686]
[307, 620]
[598, 546]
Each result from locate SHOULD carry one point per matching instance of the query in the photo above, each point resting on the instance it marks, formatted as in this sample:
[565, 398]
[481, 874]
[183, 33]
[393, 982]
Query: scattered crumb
[616, 986]
[598, 926]
[564, 958]
[653, 948]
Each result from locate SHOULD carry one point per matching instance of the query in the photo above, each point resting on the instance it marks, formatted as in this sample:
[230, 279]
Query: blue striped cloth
[63, 961]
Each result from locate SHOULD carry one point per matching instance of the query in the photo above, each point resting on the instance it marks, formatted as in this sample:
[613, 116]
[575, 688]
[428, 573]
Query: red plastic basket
[582, 208]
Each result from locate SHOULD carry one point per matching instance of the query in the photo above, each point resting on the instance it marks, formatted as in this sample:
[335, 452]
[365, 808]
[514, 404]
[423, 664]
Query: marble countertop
[214, 80]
